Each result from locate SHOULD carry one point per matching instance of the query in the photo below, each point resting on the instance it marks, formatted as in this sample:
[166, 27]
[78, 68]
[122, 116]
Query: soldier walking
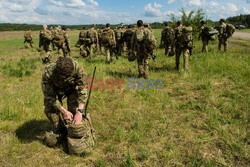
[45, 38]
[109, 43]
[143, 43]
[28, 39]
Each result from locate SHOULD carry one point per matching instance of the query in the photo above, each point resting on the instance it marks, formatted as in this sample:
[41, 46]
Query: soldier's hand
[66, 114]
[78, 118]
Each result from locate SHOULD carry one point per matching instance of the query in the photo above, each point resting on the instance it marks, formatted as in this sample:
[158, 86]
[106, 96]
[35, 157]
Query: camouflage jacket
[202, 35]
[54, 88]
[222, 30]
[28, 36]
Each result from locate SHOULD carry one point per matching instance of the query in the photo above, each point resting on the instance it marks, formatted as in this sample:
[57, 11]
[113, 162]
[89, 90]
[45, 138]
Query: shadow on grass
[33, 130]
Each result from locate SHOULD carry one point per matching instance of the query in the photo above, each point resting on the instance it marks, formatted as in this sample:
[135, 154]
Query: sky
[112, 11]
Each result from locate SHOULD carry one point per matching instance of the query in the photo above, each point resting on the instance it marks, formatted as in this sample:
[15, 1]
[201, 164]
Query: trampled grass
[199, 117]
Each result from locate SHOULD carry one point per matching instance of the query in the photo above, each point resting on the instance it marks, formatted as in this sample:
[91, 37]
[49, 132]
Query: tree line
[191, 18]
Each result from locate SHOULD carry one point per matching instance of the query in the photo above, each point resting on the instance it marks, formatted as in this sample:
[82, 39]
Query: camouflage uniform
[143, 51]
[119, 42]
[91, 40]
[65, 47]
[127, 36]
[167, 39]
[45, 38]
[205, 39]
[222, 36]
[83, 48]
[56, 88]
[110, 45]
[54, 31]
[180, 47]
[28, 39]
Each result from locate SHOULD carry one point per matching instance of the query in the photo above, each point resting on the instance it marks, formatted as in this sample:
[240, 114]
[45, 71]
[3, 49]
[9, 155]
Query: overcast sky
[112, 11]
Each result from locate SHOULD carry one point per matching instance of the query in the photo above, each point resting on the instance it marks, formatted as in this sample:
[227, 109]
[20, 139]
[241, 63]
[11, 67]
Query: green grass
[199, 118]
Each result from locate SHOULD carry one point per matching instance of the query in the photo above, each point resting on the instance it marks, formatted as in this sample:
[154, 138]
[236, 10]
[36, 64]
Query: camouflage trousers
[167, 48]
[54, 115]
[222, 41]
[91, 48]
[83, 51]
[30, 42]
[204, 46]
[186, 55]
[63, 50]
[109, 53]
[119, 48]
[143, 62]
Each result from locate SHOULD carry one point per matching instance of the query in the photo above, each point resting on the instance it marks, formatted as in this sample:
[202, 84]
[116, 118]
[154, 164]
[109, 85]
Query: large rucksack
[230, 29]
[106, 37]
[187, 35]
[91, 36]
[145, 40]
[58, 38]
[47, 35]
[209, 33]
[27, 36]
[168, 35]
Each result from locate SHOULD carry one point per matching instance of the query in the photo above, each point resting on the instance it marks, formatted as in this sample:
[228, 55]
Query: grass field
[199, 118]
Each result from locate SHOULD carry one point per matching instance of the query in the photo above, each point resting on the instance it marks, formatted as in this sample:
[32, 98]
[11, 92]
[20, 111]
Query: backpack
[127, 36]
[91, 36]
[230, 29]
[167, 35]
[187, 35]
[145, 40]
[209, 33]
[27, 36]
[106, 37]
[118, 35]
[47, 35]
[58, 38]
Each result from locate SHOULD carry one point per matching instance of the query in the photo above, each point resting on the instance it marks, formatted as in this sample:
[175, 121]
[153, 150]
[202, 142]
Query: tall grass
[199, 118]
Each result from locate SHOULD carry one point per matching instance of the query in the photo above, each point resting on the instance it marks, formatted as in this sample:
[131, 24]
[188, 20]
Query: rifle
[87, 103]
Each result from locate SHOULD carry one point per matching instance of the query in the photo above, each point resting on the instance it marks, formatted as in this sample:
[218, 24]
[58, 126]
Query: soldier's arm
[81, 85]
[49, 92]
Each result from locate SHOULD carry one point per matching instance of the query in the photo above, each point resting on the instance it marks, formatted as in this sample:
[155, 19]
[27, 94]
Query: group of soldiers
[66, 78]
[114, 42]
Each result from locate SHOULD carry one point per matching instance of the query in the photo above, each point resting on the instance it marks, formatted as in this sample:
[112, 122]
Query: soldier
[82, 38]
[167, 37]
[108, 41]
[61, 40]
[91, 40]
[222, 35]
[181, 45]
[204, 36]
[118, 39]
[143, 43]
[54, 31]
[28, 39]
[64, 79]
[127, 36]
[45, 38]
